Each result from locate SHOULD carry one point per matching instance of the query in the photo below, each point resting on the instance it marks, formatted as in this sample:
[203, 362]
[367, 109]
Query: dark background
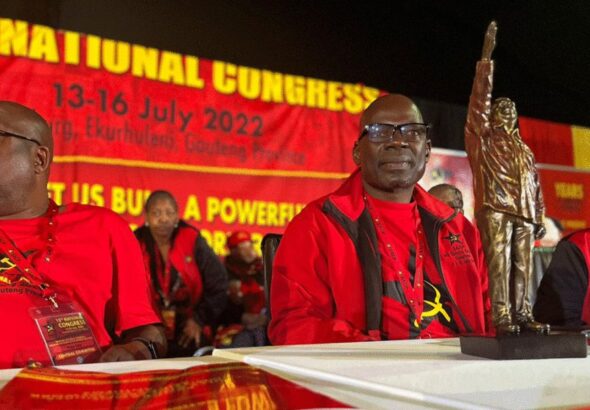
[425, 49]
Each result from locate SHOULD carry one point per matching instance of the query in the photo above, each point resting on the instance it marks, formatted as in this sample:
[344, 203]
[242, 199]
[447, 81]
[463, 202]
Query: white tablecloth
[429, 373]
[400, 374]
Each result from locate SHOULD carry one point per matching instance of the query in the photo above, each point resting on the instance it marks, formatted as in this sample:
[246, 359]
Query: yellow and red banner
[557, 144]
[239, 147]
[208, 387]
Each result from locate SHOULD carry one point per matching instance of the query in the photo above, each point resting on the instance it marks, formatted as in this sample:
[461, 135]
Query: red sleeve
[302, 306]
[131, 284]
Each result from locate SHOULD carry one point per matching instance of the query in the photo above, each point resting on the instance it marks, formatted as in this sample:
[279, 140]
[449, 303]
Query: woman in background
[189, 281]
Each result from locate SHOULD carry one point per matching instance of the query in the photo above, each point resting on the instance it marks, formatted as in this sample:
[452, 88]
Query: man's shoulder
[580, 238]
[311, 211]
[347, 199]
[462, 224]
[80, 213]
[582, 233]
[459, 224]
[431, 204]
[78, 208]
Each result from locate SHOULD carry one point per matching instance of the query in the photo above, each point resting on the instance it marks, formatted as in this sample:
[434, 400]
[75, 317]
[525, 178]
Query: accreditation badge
[169, 320]
[66, 334]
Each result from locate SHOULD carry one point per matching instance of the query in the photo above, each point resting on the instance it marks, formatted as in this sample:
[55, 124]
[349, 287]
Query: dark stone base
[525, 346]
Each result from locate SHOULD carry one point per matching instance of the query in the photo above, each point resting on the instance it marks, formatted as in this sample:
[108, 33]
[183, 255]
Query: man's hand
[128, 351]
[489, 41]
[192, 331]
[132, 349]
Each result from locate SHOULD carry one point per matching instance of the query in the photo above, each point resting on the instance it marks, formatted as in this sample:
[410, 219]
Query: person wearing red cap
[244, 320]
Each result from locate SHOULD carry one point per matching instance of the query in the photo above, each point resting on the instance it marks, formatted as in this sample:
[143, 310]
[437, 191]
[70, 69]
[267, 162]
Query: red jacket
[327, 284]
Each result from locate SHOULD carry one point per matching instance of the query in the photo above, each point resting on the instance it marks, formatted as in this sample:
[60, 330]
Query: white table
[423, 373]
[401, 374]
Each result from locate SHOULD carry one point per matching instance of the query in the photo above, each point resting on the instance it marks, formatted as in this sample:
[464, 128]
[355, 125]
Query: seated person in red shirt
[380, 258]
[563, 298]
[73, 288]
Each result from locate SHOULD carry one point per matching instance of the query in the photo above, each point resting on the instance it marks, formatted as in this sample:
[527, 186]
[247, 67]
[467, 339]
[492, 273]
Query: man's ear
[428, 149]
[356, 154]
[41, 160]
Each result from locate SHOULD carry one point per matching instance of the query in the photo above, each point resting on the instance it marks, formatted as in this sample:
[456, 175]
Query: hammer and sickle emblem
[6, 264]
[452, 238]
[437, 307]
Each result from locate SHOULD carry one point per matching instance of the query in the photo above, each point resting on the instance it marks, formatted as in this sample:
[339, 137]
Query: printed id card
[66, 334]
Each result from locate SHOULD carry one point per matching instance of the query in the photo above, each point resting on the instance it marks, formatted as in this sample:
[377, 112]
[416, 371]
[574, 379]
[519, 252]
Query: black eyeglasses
[10, 134]
[410, 132]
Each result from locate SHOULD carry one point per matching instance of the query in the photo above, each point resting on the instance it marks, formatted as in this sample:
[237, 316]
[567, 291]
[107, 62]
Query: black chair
[269, 246]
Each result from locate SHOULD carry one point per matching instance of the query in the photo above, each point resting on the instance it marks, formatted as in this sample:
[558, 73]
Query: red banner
[239, 147]
[207, 387]
[566, 195]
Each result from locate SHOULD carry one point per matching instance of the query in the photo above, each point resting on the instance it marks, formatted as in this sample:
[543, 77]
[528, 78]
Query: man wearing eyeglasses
[380, 258]
[73, 286]
[509, 207]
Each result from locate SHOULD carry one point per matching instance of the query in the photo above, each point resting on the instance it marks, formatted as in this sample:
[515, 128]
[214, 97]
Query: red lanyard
[166, 283]
[414, 294]
[31, 273]
[164, 279]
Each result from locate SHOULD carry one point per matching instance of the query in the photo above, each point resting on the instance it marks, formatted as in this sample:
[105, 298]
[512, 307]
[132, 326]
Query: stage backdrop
[239, 147]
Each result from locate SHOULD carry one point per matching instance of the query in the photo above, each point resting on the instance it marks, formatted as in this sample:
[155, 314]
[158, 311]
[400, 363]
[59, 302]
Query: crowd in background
[202, 301]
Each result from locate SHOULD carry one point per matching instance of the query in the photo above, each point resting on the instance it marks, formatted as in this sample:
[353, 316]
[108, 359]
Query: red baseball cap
[237, 238]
